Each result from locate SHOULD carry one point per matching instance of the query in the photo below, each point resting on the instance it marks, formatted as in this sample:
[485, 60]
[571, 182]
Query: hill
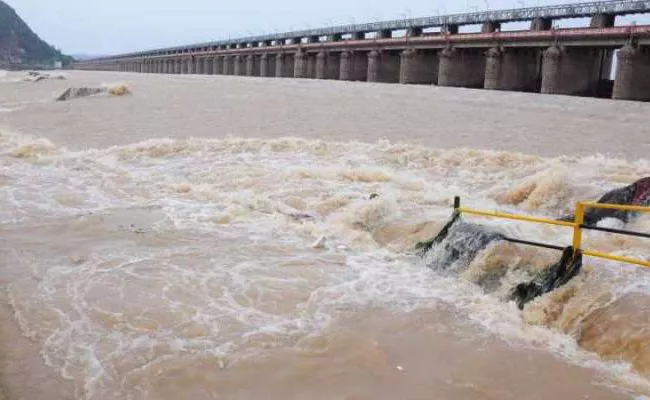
[20, 47]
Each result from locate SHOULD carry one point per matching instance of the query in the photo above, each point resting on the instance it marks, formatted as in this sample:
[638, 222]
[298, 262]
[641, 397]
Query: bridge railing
[616, 7]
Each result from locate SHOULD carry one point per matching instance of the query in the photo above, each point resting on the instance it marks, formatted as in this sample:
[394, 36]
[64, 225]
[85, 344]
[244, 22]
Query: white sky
[100, 27]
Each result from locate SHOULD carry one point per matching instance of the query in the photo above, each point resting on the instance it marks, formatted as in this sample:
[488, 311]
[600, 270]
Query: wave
[166, 248]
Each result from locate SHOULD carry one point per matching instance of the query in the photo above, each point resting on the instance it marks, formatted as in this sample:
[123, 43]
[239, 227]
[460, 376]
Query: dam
[543, 59]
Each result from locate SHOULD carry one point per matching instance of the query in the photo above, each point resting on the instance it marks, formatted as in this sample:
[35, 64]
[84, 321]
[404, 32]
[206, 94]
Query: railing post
[577, 228]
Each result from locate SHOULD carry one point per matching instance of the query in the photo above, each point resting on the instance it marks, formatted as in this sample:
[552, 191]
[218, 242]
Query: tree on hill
[20, 45]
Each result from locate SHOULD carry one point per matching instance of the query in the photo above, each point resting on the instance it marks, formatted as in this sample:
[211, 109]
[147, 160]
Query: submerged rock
[75, 93]
[459, 243]
[556, 276]
[637, 194]
[35, 76]
[455, 248]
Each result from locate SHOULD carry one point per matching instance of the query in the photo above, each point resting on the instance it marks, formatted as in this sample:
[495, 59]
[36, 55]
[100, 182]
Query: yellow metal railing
[577, 225]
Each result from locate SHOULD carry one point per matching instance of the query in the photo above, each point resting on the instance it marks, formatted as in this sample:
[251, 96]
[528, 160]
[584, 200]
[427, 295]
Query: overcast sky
[116, 26]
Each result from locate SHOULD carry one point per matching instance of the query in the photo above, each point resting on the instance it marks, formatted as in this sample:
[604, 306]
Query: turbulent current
[285, 268]
[154, 257]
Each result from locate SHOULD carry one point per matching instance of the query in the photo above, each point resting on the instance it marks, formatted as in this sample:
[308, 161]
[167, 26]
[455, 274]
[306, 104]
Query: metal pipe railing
[577, 225]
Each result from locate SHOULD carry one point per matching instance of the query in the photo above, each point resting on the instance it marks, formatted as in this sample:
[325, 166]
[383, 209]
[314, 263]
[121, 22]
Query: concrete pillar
[418, 67]
[573, 71]
[602, 21]
[190, 66]
[207, 65]
[512, 69]
[327, 65]
[541, 24]
[490, 26]
[267, 65]
[461, 68]
[310, 59]
[239, 67]
[284, 65]
[217, 65]
[250, 65]
[353, 66]
[383, 67]
[163, 69]
[279, 65]
[373, 66]
[178, 66]
[228, 65]
[632, 80]
[198, 65]
[300, 65]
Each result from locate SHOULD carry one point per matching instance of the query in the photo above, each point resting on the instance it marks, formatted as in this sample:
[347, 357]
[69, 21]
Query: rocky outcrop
[75, 93]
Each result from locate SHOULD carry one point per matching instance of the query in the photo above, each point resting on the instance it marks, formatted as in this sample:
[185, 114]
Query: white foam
[217, 265]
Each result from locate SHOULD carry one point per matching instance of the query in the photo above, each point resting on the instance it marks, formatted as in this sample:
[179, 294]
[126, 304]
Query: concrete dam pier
[576, 61]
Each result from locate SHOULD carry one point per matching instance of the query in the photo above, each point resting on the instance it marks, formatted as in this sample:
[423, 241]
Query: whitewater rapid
[146, 256]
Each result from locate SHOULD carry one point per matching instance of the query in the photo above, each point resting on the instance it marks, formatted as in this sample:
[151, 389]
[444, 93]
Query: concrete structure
[217, 65]
[300, 65]
[461, 68]
[574, 71]
[383, 67]
[328, 65]
[353, 66]
[419, 67]
[267, 65]
[574, 61]
[512, 69]
[238, 65]
[284, 65]
[633, 74]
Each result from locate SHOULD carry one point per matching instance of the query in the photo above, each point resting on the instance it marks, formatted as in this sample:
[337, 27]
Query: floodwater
[161, 245]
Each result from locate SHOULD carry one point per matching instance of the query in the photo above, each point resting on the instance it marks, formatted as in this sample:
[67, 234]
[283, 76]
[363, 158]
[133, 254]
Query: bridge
[431, 50]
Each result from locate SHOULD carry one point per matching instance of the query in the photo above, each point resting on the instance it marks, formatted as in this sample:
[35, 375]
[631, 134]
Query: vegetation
[19, 45]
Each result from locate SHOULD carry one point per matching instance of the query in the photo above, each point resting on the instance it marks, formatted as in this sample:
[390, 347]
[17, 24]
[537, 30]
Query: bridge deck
[576, 10]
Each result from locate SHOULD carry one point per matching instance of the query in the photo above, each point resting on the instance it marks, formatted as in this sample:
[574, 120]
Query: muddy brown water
[159, 245]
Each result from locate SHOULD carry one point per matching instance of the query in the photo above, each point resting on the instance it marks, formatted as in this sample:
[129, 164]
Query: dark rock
[74, 93]
[557, 275]
[637, 193]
